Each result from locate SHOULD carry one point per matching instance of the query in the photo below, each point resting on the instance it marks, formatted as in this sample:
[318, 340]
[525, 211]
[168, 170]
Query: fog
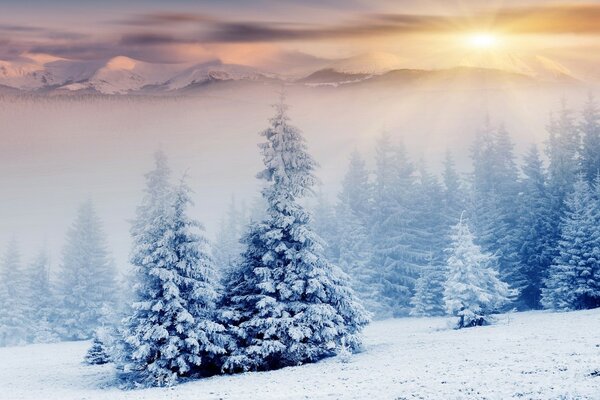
[56, 152]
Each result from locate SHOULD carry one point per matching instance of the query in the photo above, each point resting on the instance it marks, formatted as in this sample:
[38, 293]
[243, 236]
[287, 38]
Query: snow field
[531, 355]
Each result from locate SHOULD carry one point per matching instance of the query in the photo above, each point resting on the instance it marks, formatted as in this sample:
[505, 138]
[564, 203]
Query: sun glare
[482, 40]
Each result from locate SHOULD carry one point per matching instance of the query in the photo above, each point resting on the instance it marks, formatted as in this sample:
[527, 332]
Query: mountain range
[121, 75]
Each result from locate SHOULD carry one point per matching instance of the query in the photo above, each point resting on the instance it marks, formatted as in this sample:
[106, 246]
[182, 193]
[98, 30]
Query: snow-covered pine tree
[428, 299]
[535, 228]
[431, 238]
[394, 229]
[171, 332]
[41, 301]
[355, 248]
[356, 188]
[562, 149]
[227, 247]
[590, 151]
[495, 191]
[574, 278]
[286, 304]
[355, 256]
[256, 211]
[454, 193]
[432, 227]
[99, 353]
[14, 319]
[326, 226]
[86, 285]
[506, 246]
[472, 290]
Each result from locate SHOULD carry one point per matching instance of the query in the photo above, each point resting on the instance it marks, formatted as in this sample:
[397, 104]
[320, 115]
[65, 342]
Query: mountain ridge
[123, 75]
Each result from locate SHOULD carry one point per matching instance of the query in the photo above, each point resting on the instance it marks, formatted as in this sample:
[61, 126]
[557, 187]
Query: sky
[273, 34]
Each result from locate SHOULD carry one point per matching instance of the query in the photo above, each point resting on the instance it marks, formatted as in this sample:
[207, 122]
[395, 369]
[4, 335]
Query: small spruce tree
[99, 352]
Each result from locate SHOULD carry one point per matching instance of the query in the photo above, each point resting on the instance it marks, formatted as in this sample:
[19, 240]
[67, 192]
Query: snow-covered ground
[532, 355]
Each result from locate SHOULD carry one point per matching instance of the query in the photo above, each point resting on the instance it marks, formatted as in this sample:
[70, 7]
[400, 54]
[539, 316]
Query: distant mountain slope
[536, 66]
[454, 76]
[25, 74]
[213, 71]
[330, 76]
[121, 75]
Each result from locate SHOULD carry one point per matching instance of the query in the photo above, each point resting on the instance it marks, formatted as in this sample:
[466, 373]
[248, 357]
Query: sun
[482, 40]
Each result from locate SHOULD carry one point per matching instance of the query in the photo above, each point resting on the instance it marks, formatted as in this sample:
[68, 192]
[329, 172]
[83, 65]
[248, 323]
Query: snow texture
[529, 355]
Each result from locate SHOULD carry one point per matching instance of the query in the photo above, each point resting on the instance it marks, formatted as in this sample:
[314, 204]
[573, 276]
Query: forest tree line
[518, 233]
[391, 226]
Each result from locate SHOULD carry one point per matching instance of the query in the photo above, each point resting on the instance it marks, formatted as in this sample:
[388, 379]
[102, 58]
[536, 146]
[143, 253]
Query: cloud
[82, 50]
[20, 28]
[159, 35]
[542, 19]
[165, 18]
[150, 39]
[556, 19]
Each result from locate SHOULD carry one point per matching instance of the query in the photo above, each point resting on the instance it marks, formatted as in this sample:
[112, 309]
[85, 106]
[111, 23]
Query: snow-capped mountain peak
[121, 75]
[121, 63]
[24, 74]
[215, 70]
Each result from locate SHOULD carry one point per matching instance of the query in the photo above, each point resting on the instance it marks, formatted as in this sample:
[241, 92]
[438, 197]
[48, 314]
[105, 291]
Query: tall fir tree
[41, 301]
[385, 164]
[535, 228]
[428, 299]
[394, 230]
[482, 202]
[495, 194]
[472, 290]
[286, 304]
[453, 192]
[356, 188]
[171, 332]
[86, 286]
[355, 248]
[227, 247]
[355, 256]
[14, 318]
[573, 281]
[563, 151]
[431, 223]
[590, 130]
[431, 239]
[327, 226]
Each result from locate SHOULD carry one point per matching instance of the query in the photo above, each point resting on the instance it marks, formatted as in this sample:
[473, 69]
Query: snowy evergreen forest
[294, 278]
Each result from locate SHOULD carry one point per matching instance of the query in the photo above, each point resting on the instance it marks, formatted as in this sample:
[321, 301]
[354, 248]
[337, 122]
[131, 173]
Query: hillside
[532, 355]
